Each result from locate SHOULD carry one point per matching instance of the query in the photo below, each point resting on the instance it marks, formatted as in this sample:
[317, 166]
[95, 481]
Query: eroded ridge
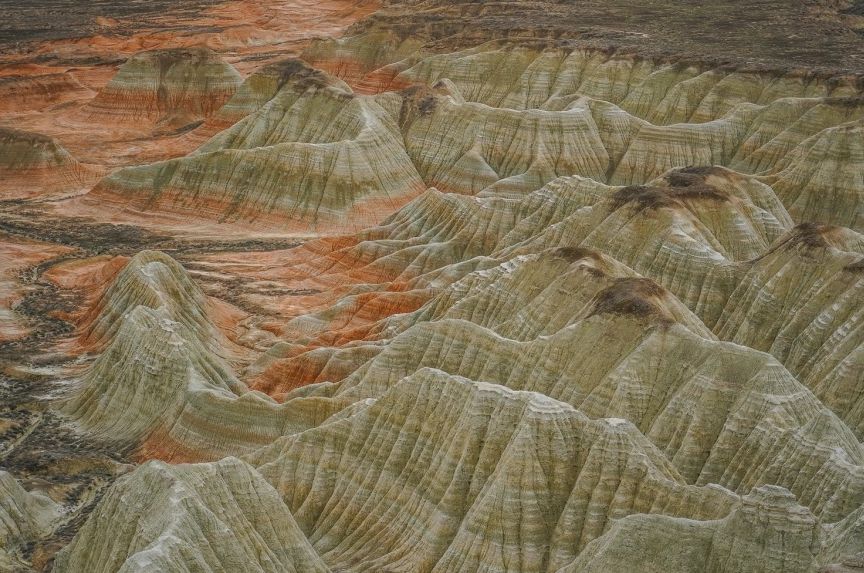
[403, 301]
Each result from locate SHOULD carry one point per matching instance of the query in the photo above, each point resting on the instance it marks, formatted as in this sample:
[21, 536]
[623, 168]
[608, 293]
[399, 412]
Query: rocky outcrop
[503, 121]
[767, 532]
[35, 165]
[141, 381]
[727, 402]
[314, 156]
[428, 501]
[220, 516]
[171, 87]
[24, 518]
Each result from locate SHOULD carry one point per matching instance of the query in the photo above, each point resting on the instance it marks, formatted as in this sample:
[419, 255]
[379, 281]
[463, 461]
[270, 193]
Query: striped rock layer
[561, 311]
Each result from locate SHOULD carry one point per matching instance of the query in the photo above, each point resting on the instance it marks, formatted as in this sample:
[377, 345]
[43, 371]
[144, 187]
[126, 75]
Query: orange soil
[171, 203]
[16, 255]
[47, 98]
[51, 98]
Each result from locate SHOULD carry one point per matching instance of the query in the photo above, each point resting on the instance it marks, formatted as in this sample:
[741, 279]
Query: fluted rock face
[264, 84]
[519, 299]
[528, 482]
[523, 78]
[802, 302]
[820, 179]
[315, 155]
[728, 401]
[844, 541]
[22, 92]
[363, 57]
[639, 119]
[22, 150]
[159, 384]
[258, 89]
[154, 280]
[501, 151]
[524, 307]
[32, 164]
[24, 517]
[217, 517]
[767, 532]
[140, 382]
[683, 234]
[684, 230]
[174, 86]
[499, 120]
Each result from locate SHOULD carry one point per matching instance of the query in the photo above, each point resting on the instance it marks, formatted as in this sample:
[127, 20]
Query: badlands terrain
[432, 286]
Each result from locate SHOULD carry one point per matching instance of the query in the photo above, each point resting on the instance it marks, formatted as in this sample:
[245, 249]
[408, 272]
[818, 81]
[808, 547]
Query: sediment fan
[561, 311]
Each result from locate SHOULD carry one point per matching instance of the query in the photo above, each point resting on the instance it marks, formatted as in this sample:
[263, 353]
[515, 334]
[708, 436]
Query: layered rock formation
[33, 165]
[781, 535]
[206, 517]
[515, 488]
[440, 303]
[315, 155]
[705, 424]
[536, 114]
[21, 93]
[168, 86]
[158, 384]
[258, 89]
[154, 280]
[434, 503]
[24, 518]
[680, 115]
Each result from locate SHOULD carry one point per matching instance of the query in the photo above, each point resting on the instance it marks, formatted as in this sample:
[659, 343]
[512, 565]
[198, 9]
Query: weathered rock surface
[767, 528]
[154, 280]
[315, 155]
[217, 517]
[24, 518]
[446, 304]
[173, 87]
[158, 383]
[455, 475]
[798, 132]
[33, 165]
